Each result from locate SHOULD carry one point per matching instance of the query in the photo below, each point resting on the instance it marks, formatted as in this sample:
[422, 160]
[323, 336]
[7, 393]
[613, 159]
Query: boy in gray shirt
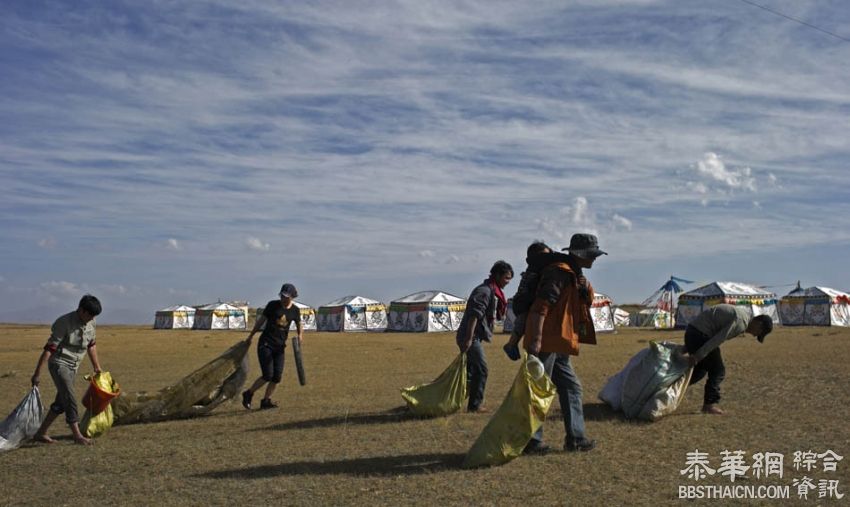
[71, 337]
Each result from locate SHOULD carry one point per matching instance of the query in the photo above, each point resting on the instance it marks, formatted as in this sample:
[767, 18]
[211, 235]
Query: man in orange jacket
[558, 321]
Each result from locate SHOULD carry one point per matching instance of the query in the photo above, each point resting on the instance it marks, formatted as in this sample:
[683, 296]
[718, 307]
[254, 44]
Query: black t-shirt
[278, 320]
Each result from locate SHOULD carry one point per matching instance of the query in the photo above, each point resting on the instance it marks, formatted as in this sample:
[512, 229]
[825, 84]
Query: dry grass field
[343, 440]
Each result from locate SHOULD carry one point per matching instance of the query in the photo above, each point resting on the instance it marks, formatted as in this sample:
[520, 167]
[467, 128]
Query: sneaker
[580, 445]
[712, 408]
[512, 351]
[536, 447]
[247, 396]
[267, 403]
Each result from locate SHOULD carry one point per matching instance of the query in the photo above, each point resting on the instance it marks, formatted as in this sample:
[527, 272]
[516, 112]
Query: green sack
[512, 426]
[444, 396]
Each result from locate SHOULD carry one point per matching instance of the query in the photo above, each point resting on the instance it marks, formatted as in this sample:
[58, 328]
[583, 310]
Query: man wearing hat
[275, 321]
[703, 338]
[559, 319]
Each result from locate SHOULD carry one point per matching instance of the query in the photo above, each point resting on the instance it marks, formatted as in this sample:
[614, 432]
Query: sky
[159, 153]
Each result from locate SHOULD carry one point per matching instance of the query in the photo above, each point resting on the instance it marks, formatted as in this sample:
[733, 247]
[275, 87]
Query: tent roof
[598, 297]
[219, 306]
[816, 292]
[728, 289]
[177, 308]
[430, 296]
[352, 300]
[620, 311]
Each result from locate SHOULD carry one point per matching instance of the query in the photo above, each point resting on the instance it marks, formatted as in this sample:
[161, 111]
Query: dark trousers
[711, 365]
[476, 374]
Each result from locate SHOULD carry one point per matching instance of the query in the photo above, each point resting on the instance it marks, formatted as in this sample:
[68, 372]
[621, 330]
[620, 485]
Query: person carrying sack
[558, 321]
[71, 337]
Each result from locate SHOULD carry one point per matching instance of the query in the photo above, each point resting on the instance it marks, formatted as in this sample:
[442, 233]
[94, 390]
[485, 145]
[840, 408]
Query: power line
[768, 9]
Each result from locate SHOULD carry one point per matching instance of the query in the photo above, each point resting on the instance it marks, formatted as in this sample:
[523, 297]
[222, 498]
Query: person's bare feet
[44, 439]
[712, 409]
[81, 440]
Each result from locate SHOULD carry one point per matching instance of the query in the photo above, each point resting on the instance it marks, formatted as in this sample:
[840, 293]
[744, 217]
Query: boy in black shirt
[277, 318]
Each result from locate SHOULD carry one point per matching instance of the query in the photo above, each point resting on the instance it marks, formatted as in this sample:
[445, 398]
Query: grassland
[342, 440]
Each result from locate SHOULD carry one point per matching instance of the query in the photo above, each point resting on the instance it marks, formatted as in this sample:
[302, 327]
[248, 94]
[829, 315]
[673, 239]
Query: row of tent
[813, 306]
[435, 311]
[426, 311]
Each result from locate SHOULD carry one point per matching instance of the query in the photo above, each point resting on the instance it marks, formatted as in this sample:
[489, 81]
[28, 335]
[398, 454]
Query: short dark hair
[91, 305]
[536, 248]
[766, 324]
[500, 268]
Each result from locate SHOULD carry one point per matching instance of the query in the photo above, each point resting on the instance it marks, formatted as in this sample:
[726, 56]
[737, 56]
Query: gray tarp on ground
[652, 383]
[23, 422]
[198, 394]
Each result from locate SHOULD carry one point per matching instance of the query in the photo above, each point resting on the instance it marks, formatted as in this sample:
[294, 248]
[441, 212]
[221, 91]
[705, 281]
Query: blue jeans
[476, 374]
[567, 384]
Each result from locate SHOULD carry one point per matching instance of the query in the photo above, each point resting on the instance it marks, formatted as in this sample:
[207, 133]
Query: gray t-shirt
[481, 304]
[70, 339]
[720, 323]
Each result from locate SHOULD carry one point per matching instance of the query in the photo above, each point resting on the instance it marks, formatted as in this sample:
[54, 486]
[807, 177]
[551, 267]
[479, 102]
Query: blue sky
[182, 152]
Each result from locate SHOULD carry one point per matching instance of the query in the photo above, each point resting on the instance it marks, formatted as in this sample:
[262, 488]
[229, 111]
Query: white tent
[621, 317]
[220, 316]
[652, 317]
[426, 311]
[175, 317]
[600, 311]
[757, 301]
[353, 313]
[602, 314]
[308, 316]
[815, 306]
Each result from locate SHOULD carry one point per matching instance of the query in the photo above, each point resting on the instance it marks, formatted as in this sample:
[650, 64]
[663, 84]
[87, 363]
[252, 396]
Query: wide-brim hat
[585, 246]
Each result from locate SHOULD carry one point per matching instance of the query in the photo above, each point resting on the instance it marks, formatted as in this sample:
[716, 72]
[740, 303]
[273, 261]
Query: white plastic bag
[612, 393]
[23, 422]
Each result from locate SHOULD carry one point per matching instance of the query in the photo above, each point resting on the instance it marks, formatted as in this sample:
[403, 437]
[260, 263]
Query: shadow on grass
[394, 415]
[381, 465]
[592, 412]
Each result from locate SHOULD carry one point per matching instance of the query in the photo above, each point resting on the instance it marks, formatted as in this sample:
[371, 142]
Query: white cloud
[59, 290]
[712, 167]
[47, 243]
[621, 222]
[116, 289]
[427, 254]
[173, 244]
[256, 244]
[453, 259]
[580, 217]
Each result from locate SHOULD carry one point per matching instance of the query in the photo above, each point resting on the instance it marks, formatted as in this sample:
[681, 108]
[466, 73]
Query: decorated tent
[603, 315]
[815, 306]
[757, 301]
[220, 316]
[308, 316]
[666, 298]
[621, 317]
[353, 313]
[426, 311]
[175, 317]
[652, 317]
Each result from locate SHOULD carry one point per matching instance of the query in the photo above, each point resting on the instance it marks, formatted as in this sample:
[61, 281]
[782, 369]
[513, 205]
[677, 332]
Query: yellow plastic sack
[444, 396]
[96, 425]
[512, 426]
